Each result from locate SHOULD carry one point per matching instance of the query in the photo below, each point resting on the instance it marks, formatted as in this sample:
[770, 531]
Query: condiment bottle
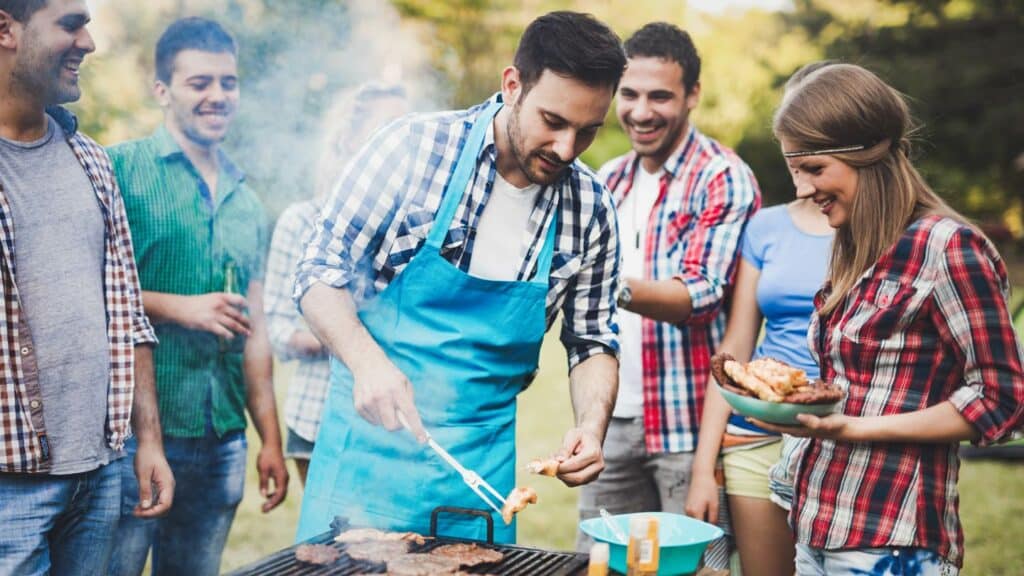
[599, 553]
[643, 551]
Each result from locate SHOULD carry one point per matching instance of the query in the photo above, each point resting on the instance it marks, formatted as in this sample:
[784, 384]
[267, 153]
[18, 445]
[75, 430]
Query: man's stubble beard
[514, 131]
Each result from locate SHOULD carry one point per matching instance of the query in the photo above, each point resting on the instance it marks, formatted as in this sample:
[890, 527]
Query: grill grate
[518, 560]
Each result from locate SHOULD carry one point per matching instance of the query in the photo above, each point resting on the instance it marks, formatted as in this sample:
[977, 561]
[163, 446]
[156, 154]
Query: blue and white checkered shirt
[307, 389]
[384, 205]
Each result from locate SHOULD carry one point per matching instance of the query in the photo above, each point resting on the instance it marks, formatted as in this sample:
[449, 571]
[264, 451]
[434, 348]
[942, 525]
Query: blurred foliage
[957, 59]
[959, 63]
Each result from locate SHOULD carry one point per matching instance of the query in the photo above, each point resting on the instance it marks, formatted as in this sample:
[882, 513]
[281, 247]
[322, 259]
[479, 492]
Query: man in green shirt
[201, 240]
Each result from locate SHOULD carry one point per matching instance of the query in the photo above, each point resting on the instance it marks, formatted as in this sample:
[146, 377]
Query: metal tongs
[469, 477]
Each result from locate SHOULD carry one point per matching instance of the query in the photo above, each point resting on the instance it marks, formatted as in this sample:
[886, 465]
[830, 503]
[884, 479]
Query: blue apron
[467, 345]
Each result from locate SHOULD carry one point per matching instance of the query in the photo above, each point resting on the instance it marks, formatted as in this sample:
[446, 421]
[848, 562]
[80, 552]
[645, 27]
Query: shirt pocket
[884, 311]
[678, 226]
[412, 235]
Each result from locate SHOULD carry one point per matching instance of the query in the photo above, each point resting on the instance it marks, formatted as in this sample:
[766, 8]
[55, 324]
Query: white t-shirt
[634, 216]
[499, 246]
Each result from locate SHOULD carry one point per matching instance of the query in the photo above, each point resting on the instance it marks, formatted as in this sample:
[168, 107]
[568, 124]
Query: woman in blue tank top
[784, 256]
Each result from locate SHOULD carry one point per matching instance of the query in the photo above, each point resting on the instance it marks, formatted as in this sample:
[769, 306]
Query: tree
[959, 63]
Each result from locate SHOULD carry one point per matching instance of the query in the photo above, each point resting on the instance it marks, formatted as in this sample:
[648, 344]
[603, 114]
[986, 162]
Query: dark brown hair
[570, 44]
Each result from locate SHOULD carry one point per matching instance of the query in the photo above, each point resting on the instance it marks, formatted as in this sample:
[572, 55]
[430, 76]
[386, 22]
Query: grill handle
[457, 511]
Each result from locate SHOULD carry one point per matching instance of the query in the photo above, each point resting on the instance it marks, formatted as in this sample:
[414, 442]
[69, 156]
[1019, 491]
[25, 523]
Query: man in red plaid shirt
[683, 200]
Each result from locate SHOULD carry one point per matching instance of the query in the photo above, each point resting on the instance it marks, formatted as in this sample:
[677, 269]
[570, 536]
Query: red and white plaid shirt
[927, 323]
[707, 196]
[23, 441]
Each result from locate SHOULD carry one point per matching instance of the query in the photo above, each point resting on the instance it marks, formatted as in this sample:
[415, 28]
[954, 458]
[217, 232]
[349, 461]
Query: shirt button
[34, 404]
[25, 350]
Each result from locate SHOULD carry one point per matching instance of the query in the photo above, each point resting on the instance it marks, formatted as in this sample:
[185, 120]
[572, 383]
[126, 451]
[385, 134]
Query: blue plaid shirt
[384, 205]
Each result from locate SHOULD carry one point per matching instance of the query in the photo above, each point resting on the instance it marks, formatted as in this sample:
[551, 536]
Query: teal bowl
[774, 412]
[681, 540]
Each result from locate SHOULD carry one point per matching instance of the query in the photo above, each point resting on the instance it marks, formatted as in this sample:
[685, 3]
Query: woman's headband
[839, 150]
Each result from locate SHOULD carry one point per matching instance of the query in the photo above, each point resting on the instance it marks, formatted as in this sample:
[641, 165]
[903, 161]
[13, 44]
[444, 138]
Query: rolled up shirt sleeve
[709, 260]
[970, 294]
[589, 327]
[353, 222]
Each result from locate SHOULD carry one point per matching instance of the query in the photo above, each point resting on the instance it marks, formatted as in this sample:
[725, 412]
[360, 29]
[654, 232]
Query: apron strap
[465, 167]
[548, 251]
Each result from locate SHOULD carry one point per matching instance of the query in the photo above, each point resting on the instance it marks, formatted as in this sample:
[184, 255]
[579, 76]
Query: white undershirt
[634, 214]
[498, 249]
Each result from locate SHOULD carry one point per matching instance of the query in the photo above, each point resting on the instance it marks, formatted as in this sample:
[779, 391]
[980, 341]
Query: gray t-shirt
[58, 246]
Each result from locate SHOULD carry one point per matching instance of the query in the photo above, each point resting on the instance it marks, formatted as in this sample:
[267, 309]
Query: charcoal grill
[518, 560]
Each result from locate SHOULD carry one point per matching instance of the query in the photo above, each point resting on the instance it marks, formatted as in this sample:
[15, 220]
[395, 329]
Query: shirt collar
[489, 146]
[678, 158]
[167, 149]
[65, 119]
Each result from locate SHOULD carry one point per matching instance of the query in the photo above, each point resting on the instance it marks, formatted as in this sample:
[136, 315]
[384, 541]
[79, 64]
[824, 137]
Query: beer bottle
[232, 285]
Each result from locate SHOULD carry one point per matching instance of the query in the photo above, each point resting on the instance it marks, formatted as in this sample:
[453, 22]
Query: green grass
[991, 494]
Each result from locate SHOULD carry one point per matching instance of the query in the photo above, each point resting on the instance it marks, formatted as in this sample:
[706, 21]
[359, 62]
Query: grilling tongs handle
[469, 477]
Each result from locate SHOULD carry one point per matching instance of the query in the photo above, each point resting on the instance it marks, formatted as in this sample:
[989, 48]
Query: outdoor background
[958, 60]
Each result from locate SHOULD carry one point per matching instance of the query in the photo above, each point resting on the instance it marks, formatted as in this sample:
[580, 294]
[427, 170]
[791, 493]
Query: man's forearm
[661, 300]
[162, 307]
[331, 315]
[259, 386]
[145, 414]
[593, 385]
[259, 372]
[259, 389]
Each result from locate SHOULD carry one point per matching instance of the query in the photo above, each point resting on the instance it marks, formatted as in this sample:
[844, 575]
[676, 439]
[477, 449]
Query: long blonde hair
[842, 105]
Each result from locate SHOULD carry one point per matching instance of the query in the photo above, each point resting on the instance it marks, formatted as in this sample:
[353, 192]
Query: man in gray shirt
[76, 368]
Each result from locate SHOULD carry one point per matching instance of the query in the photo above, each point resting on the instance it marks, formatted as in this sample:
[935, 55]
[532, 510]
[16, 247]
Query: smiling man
[201, 237]
[683, 200]
[449, 246]
[76, 365]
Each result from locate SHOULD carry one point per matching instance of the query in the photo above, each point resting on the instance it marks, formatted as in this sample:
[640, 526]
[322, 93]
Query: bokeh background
[959, 61]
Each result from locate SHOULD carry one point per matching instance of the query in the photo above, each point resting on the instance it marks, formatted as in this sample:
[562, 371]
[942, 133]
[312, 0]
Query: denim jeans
[209, 475]
[59, 524]
[871, 562]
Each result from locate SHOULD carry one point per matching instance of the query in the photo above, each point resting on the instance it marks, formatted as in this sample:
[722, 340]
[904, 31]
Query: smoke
[299, 62]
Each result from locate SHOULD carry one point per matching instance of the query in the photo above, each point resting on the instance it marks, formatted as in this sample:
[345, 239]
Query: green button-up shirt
[185, 238]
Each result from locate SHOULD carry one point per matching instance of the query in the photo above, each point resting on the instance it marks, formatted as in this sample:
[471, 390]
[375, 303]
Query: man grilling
[76, 360]
[202, 237]
[451, 242]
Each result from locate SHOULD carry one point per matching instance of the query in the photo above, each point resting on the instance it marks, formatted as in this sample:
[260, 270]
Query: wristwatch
[625, 295]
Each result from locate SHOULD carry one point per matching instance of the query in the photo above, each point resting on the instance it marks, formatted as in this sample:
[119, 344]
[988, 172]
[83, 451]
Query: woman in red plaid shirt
[912, 323]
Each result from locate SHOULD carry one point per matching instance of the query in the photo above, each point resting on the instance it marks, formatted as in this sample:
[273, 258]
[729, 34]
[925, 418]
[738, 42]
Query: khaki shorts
[746, 471]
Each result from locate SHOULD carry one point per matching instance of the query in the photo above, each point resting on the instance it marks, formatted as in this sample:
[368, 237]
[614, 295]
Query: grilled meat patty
[317, 554]
[468, 554]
